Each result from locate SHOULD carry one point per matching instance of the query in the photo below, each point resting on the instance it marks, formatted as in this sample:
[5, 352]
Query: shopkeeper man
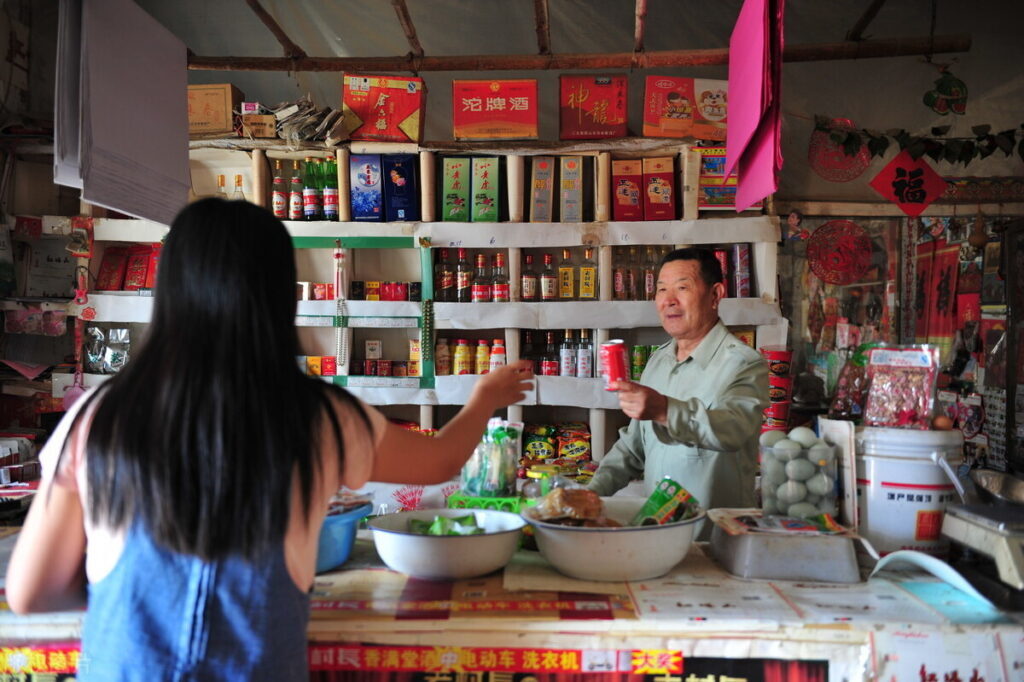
[695, 415]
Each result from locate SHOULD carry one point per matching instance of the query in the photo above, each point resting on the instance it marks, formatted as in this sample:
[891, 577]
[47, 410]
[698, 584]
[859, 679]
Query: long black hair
[201, 434]
[710, 268]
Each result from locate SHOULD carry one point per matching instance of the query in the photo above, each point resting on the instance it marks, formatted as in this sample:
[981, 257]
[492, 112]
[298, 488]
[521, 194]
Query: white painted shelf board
[362, 308]
[572, 391]
[329, 228]
[455, 390]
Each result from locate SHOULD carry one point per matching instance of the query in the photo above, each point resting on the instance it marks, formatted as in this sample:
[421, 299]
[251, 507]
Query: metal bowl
[995, 486]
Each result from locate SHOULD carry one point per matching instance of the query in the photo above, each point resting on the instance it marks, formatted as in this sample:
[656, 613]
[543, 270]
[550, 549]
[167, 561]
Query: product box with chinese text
[542, 186]
[627, 178]
[494, 109]
[137, 267]
[592, 107]
[211, 108]
[455, 190]
[259, 125]
[570, 189]
[685, 107]
[401, 189]
[383, 108]
[659, 188]
[485, 189]
[364, 179]
[714, 190]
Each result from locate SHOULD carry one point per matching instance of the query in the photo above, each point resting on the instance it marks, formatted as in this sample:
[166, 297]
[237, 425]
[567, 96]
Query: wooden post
[344, 185]
[427, 184]
[689, 181]
[260, 183]
[603, 183]
[515, 167]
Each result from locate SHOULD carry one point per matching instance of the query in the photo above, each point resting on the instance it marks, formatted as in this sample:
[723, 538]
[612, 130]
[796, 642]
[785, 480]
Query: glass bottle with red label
[567, 356]
[549, 361]
[444, 278]
[463, 278]
[481, 287]
[528, 284]
[548, 280]
[499, 280]
[295, 193]
[279, 193]
[620, 276]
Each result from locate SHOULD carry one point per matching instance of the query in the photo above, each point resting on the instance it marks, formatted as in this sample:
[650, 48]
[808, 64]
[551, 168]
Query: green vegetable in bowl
[443, 525]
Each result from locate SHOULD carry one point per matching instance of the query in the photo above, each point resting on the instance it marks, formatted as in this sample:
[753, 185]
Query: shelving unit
[761, 310]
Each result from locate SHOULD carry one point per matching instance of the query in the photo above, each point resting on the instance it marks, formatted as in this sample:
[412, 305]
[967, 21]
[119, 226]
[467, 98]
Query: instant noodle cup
[779, 388]
[778, 410]
[779, 359]
[771, 423]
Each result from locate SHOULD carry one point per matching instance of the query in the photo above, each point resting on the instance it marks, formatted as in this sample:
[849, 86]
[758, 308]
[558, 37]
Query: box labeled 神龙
[592, 107]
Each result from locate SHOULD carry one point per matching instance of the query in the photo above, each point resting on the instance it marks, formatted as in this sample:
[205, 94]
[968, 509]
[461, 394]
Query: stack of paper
[121, 119]
[753, 139]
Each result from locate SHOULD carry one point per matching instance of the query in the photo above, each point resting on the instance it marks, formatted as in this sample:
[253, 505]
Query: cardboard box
[383, 108]
[137, 268]
[714, 190]
[659, 188]
[570, 193]
[627, 179]
[112, 269]
[259, 125]
[401, 187]
[154, 261]
[366, 198]
[685, 107]
[542, 186]
[494, 109]
[211, 108]
[455, 190]
[485, 189]
[592, 107]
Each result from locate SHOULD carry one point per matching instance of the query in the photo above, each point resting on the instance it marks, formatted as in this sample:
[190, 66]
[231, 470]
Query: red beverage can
[723, 260]
[383, 368]
[613, 363]
[370, 368]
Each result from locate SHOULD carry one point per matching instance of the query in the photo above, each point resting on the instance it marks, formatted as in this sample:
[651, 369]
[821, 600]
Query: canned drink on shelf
[415, 291]
[399, 368]
[638, 357]
[329, 365]
[356, 290]
[370, 368]
[383, 368]
[613, 363]
[413, 368]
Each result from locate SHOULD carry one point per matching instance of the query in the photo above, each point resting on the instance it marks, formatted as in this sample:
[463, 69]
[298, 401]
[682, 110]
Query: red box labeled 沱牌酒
[383, 108]
[659, 189]
[494, 109]
[592, 107]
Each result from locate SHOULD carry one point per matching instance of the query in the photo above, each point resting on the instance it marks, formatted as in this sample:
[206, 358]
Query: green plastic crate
[459, 500]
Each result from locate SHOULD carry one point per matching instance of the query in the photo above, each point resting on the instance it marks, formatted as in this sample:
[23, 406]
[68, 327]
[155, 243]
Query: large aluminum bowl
[446, 557]
[630, 553]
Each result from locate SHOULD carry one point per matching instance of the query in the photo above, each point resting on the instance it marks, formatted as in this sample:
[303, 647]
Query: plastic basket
[459, 500]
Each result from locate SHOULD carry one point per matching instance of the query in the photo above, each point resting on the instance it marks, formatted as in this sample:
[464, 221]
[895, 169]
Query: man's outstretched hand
[640, 402]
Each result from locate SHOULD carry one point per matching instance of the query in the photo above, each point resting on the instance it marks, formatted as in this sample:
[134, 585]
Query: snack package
[491, 470]
[901, 391]
[573, 445]
[569, 503]
[852, 388]
[669, 502]
[539, 442]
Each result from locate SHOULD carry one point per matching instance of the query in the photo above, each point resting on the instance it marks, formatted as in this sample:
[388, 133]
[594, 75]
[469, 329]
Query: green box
[485, 189]
[455, 190]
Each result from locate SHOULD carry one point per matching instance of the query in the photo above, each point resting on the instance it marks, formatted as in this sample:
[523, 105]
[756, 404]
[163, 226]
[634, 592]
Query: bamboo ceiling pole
[866, 49]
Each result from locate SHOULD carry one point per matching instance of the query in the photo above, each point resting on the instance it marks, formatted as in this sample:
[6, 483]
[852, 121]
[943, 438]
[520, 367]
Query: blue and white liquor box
[365, 181]
[401, 188]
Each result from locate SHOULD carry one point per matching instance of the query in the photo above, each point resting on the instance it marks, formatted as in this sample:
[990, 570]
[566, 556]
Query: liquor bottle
[442, 358]
[498, 355]
[463, 279]
[584, 356]
[567, 356]
[221, 192]
[549, 361]
[499, 280]
[480, 291]
[632, 276]
[279, 193]
[548, 280]
[312, 203]
[295, 193]
[528, 280]
[444, 279]
[620, 291]
[329, 184]
[482, 361]
[238, 194]
[566, 277]
[528, 352]
[588, 276]
[649, 279]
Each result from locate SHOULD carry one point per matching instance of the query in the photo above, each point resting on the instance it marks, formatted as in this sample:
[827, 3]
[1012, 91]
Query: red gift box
[154, 260]
[383, 108]
[627, 179]
[659, 189]
[494, 109]
[112, 269]
[137, 268]
[592, 107]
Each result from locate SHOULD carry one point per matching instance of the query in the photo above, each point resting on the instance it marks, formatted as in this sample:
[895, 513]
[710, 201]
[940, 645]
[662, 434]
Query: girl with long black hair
[182, 500]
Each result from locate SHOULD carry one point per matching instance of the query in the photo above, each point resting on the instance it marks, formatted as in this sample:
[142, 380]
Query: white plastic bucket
[905, 479]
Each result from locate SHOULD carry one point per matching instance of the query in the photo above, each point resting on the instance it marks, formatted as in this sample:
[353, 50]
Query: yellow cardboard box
[211, 108]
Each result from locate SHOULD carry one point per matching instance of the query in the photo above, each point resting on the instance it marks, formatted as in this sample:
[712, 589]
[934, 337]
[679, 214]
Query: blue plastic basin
[337, 536]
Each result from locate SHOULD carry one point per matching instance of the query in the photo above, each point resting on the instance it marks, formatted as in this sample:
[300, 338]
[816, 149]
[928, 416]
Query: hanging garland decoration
[829, 160]
[839, 252]
[963, 150]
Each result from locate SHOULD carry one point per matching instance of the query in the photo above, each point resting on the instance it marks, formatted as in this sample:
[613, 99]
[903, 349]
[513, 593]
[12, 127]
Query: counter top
[889, 626]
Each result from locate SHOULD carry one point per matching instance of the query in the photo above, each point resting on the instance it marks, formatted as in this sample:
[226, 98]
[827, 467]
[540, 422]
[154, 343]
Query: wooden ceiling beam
[542, 21]
[811, 52]
[291, 50]
[410, 30]
[856, 33]
[638, 25]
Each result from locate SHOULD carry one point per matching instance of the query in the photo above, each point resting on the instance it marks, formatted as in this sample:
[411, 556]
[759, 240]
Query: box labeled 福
[383, 108]
[211, 108]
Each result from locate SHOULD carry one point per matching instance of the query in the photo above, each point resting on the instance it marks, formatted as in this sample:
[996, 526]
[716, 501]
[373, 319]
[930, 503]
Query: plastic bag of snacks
[491, 470]
[852, 387]
[539, 442]
[902, 386]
